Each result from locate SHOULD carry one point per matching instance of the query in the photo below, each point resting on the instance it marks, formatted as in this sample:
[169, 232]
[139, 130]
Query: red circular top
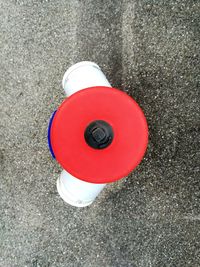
[99, 165]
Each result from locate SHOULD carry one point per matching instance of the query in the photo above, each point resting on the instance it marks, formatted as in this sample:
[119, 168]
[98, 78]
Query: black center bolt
[99, 134]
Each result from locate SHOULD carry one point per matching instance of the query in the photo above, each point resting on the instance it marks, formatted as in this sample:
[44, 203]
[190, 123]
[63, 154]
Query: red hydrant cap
[99, 134]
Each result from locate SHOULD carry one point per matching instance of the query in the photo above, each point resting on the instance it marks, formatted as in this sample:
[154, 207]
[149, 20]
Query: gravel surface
[150, 49]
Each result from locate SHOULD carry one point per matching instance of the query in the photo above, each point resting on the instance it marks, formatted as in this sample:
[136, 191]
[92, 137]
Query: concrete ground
[148, 48]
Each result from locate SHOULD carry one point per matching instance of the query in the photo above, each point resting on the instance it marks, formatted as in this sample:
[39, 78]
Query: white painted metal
[83, 75]
[74, 191]
[77, 192]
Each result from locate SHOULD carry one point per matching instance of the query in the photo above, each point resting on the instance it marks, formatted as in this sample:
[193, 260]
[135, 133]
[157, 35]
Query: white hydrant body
[72, 190]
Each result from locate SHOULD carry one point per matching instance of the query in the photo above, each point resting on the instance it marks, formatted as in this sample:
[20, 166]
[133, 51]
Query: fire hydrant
[98, 134]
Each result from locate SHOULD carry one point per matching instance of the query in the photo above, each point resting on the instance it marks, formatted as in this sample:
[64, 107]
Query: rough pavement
[149, 49]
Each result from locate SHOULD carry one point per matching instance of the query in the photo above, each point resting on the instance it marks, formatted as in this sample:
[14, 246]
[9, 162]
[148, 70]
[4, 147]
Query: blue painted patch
[49, 131]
